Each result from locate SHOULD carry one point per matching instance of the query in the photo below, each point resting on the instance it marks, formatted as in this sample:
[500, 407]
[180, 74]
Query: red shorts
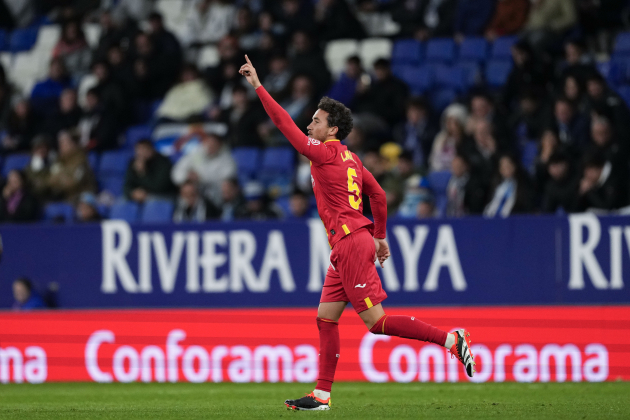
[352, 275]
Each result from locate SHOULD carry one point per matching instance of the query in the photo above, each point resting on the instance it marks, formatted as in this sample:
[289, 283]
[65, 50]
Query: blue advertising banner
[577, 259]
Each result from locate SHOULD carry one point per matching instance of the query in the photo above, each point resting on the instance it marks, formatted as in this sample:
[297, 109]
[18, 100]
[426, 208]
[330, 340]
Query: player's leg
[405, 326]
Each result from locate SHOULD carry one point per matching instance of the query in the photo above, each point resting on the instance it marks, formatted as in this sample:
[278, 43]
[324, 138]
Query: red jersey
[338, 176]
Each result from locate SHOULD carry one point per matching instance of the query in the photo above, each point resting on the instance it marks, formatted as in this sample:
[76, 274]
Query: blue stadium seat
[455, 77]
[474, 49]
[438, 181]
[497, 72]
[440, 50]
[278, 160]
[3, 41]
[56, 212]
[622, 44]
[528, 155]
[624, 92]
[419, 79]
[248, 161]
[23, 39]
[114, 162]
[618, 69]
[114, 183]
[406, 51]
[157, 211]
[135, 134]
[284, 204]
[501, 48]
[441, 203]
[125, 210]
[94, 159]
[441, 98]
[16, 161]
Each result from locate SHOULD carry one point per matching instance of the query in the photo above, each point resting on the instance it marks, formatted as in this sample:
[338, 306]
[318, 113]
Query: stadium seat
[284, 204]
[406, 51]
[455, 77]
[473, 49]
[441, 98]
[114, 184]
[15, 161]
[135, 134]
[438, 181]
[115, 162]
[5, 60]
[208, 57]
[338, 51]
[23, 39]
[125, 210]
[94, 159]
[278, 160]
[622, 44]
[419, 79]
[248, 160]
[57, 212]
[92, 34]
[497, 72]
[47, 38]
[440, 50]
[624, 92]
[157, 211]
[502, 47]
[441, 203]
[29, 65]
[371, 49]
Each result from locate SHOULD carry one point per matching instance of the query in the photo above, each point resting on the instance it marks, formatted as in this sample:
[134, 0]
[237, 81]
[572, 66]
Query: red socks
[328, 352]
[408, 327]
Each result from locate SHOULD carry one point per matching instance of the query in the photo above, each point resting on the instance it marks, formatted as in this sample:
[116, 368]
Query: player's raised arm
[378, 204]
[317, 153]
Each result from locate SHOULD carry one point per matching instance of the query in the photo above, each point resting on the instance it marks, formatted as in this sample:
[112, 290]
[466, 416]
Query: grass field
[350, 401]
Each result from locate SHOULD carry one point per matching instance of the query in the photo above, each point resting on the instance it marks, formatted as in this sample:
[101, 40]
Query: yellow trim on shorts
[368, 302]
[345, 229]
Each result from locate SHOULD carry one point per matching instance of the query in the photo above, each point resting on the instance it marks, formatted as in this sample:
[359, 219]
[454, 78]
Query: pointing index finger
[247, 58]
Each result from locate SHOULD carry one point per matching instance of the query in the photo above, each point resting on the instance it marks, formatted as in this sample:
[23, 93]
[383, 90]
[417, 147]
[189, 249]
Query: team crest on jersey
[314, 142]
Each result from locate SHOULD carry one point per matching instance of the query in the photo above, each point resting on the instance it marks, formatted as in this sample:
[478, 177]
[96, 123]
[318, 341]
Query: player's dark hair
[338, 116]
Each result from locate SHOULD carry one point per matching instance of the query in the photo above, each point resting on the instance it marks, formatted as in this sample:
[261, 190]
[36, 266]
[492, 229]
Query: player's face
[318, 128]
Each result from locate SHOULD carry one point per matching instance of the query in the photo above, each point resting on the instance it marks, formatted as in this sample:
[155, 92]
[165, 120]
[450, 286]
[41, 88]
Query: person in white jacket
[208, 166]
[188, 98]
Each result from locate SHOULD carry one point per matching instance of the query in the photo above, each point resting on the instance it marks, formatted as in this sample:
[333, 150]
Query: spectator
[87, 211]
[163, 40]
[562, 187]
[530, 72]
[148, 174]
[5, 99]
[136, 10]
[482, 152]
[243, 118]
[465, 192]
[376, 163]
[38, 169]
[335, 20]
[66, 116]
[22, 126]
[530, 118]
[416, 134]
[424, 19]
[111, 96]
[308, 60]
[258, 206]
[449, 139]
[99, 127]
[416, 190]
[345, 87]
[71, 174]
[279, 75]
[47, 92]
[25, 297]
[472, 17]
[508, 19]
[573, 90]
[549, 145]
[548, 21]
[293, 15]
[604, 102]
[208, 165]
[402, 172]
[227, 70]
[191, 207]
[245, 29]
[426, 208]
[600, 187]
[572, 127]
[208, 21]
[385, 97]
[577, 62]
[189, 98]
[299, 206]
[153, 67]
[356, 142]
[233, 204]
[482, 109]
[17, 204]
[73, 49]
[512, 191]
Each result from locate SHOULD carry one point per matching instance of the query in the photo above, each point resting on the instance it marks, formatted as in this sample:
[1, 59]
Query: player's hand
[382, 250]
[250, 74]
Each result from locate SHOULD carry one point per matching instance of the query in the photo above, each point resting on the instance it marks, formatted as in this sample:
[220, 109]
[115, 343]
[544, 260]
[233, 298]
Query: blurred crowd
[555, 102]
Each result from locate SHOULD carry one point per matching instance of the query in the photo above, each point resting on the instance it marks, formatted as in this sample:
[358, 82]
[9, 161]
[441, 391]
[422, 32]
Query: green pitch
[350, 401]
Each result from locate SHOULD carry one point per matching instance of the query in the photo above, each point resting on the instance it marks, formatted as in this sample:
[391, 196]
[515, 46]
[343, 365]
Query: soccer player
[339, 181]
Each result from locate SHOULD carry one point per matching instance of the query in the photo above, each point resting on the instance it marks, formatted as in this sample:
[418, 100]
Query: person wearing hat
[87, 209]
[449, 139]
[562, 186]
[258, 206]
[38, 169]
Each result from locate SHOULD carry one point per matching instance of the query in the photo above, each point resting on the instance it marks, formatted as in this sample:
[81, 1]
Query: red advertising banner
[524, 344]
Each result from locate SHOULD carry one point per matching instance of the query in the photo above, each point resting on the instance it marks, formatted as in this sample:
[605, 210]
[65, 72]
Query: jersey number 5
[353, 187]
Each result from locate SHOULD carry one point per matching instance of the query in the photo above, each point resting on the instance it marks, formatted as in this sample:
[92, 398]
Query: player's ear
[332, 131]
